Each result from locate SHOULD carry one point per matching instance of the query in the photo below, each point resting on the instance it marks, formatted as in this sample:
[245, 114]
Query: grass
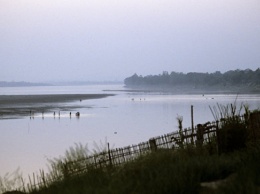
[168, 171]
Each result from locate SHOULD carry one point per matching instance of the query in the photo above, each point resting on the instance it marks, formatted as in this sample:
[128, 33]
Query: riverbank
[15, 106]
[168, 171]
[229, 165]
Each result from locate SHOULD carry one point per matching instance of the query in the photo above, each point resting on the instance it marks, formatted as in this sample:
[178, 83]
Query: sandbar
[16, 106]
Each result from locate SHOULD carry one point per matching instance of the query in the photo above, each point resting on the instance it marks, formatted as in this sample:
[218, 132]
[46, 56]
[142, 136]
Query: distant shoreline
[21, 84]
[16, 106]
[187, 89]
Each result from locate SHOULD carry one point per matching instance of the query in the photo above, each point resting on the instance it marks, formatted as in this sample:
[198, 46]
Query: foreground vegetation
[229, 165]
[168, 171]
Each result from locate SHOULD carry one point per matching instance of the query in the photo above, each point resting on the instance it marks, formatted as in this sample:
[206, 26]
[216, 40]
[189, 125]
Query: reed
[11, 181]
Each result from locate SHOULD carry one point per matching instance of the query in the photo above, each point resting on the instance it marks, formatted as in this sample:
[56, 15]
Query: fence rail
[119, 156]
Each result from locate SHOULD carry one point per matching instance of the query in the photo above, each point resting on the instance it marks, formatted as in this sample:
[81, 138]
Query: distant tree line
[246, 77]
[21, 84]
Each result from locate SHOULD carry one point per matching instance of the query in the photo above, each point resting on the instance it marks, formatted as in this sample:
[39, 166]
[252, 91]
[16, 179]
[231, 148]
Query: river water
[124, 119]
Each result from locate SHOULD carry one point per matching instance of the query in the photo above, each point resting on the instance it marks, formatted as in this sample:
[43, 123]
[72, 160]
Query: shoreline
[18, 106]
[183, 92]
[186, 90]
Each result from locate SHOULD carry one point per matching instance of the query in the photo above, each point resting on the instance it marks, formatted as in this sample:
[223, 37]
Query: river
[124, 119]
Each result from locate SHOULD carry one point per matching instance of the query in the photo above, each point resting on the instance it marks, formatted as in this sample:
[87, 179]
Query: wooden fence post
[218, 137]
[152, 144]
[254, 126]
[192, 121]
[200, 133]
[109, 156]
[192, 125]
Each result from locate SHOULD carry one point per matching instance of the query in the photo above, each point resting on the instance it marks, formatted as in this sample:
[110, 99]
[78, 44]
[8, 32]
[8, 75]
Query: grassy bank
[169, 171]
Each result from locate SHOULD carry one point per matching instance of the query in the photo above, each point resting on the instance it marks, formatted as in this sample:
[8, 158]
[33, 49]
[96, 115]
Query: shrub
[232, 131]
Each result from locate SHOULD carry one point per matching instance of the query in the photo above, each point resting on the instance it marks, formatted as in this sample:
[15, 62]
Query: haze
[109, 40]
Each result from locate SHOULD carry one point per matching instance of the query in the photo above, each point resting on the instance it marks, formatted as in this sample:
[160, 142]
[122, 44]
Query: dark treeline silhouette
[237, 78]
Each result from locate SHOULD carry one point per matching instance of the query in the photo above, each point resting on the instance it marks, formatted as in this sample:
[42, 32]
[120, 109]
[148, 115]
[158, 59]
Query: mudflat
[15, 106]
[47, 98]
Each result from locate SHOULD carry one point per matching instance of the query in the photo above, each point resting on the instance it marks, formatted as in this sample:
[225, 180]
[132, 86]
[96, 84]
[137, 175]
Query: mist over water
[124, 119]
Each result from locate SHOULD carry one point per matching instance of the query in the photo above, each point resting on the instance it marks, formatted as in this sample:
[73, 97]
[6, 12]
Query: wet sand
[16, 106]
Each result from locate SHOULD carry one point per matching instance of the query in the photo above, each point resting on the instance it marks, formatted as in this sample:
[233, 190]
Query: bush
[232, 135]
[232, 131]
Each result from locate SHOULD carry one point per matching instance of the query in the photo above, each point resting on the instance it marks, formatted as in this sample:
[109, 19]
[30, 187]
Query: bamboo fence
[195, 136]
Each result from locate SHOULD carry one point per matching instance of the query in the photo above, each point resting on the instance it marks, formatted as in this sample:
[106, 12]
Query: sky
[109, 40]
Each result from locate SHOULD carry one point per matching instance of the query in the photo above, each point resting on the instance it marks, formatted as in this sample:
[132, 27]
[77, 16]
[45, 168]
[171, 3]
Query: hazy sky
[91, 40]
